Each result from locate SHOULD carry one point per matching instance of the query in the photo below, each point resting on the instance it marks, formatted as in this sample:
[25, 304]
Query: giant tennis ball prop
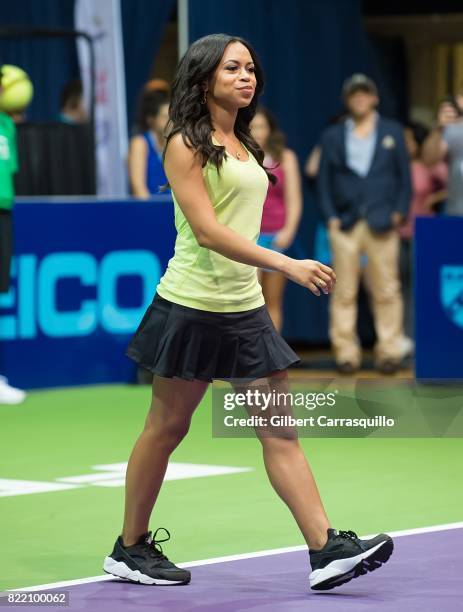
[16, 89]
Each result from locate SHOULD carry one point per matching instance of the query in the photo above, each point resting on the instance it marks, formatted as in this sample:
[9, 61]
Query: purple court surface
[424, 574]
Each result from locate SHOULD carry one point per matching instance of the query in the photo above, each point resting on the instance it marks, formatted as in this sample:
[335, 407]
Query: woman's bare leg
[167, 423]
[290, 473]
[273, 286]
[292, 478]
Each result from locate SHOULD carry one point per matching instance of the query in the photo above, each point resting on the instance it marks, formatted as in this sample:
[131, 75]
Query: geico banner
[82, 276]
[438, 262]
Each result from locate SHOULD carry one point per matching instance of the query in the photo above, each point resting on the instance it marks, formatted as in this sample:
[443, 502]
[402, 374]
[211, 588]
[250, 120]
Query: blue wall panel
[83, 275]
[439, 298]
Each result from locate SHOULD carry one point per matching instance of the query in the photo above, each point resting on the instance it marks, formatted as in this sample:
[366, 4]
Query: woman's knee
[278, 376]
[169, 431]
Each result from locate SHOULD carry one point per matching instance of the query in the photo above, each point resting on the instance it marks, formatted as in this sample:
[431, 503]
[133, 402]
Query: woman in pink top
[428, 184]
[282, 208]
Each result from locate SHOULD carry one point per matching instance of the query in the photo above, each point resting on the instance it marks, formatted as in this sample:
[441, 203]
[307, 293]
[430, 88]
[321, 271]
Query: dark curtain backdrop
[55, 159]
[307, 48]
[50, 63]
[143, 23]
[389, 66]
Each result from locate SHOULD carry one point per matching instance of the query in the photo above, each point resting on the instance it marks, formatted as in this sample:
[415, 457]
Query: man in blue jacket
[364, 192]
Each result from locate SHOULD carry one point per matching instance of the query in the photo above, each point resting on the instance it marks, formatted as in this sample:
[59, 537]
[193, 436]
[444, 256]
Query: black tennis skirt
[174, 340]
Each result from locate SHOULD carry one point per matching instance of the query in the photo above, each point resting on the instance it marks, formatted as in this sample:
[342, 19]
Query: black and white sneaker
[144, 562]
[345, 556]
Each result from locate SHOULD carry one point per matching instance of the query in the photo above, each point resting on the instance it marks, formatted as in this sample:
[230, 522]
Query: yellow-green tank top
[200, 278]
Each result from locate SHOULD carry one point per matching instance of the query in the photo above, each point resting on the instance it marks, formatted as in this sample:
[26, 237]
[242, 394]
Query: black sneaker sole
[365, 565]
[122, 570]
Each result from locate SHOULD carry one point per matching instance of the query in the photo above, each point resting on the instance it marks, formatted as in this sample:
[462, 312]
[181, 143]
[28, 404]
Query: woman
[208, 319]
[282, 207]
[146, 172]
[429, 189]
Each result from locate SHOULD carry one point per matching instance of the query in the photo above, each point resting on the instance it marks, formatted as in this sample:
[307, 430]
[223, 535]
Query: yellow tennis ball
[16, 89]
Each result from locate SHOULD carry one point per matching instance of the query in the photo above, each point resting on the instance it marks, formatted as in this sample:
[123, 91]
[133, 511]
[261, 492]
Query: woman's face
[260, 130]
[233, 83]
[158, 122]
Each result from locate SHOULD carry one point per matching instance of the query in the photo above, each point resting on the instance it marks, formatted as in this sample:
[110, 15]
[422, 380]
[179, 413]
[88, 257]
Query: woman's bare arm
[184, 172]
[313, 162]
[137, 167]
[293, 200]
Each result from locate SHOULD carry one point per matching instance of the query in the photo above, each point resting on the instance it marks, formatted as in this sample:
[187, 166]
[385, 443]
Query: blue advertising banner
[83, 274]
[439, 298]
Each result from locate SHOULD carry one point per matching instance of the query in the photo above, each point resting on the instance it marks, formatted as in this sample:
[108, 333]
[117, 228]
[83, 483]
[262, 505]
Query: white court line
[260, 553]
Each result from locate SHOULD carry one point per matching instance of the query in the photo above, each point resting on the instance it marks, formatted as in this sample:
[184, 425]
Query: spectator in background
[282, 207]
[8, 167]
[364, 192]
[311, 167]
[146, 172]
[157, 85]
[312, 163]
[72, 108]
[428, 190]
[446, 141]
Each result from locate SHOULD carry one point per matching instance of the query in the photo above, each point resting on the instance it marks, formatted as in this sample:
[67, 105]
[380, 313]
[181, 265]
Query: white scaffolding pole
[183, 34]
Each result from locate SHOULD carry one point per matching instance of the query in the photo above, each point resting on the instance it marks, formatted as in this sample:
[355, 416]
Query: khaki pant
[382, 250]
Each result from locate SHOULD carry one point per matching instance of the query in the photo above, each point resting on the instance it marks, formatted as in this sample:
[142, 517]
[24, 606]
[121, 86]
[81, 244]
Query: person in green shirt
[8, 167]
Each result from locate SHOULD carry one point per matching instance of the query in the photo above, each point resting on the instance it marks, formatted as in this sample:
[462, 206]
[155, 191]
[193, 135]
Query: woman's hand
[311, 274]
[283, 239]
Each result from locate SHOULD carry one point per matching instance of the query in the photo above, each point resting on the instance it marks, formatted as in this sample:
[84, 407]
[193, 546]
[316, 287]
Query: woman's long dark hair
[191, 118]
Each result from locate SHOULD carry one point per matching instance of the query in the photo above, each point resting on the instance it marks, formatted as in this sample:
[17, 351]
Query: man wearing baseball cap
[364, 191]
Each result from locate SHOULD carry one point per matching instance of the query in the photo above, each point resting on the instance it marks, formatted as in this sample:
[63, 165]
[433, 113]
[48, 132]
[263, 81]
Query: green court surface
[368, 485]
